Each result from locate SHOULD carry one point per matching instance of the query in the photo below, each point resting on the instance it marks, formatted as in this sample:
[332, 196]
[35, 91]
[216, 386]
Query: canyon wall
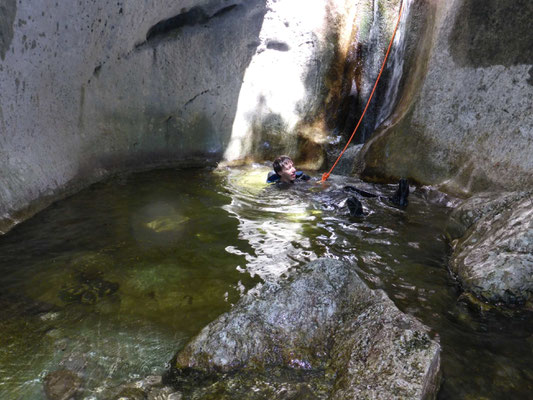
[99, 87]
[464, 121]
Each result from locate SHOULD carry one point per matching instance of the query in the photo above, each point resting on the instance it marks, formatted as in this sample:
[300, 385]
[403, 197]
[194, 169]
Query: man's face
[288, 172]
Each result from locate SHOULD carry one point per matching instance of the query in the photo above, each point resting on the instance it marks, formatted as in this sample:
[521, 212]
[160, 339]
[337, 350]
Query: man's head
[284, 167]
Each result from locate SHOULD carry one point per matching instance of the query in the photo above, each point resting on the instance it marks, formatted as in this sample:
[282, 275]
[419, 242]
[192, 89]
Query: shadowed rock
[325, 317]
[494, 257]
[61, 385]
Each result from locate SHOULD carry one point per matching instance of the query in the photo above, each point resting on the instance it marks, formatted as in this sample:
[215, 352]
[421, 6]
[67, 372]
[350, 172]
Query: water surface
[111, 282]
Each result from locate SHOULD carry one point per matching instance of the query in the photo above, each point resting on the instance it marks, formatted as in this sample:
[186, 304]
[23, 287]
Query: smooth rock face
[93, 88]
[494, 259]
[469, 128]
[325, 316]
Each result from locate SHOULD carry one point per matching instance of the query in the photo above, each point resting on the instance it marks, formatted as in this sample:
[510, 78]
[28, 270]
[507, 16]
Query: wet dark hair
[280, 162]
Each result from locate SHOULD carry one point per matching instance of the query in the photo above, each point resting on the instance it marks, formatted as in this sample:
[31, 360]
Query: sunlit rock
[485, 203]
[167, 223]
[158, 223]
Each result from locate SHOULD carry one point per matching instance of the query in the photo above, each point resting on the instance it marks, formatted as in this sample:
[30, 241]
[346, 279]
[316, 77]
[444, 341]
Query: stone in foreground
[325, 317]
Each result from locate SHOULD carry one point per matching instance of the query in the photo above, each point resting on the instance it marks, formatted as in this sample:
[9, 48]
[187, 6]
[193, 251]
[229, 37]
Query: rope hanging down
[326, 175]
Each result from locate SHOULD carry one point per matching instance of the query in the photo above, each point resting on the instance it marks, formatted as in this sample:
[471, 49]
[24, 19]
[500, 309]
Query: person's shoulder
[302, 176]
[273, 177]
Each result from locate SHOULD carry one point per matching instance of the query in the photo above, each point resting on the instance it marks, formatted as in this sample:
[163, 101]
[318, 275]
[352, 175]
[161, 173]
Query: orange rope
[326, 175]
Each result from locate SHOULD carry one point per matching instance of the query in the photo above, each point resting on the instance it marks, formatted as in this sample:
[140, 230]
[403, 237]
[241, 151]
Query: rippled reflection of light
[276, 237]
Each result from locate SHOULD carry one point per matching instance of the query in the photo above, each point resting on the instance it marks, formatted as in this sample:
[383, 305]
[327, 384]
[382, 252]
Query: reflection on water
[112, 281]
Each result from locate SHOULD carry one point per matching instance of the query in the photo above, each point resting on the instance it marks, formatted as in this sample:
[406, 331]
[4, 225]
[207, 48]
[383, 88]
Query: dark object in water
[361, 192]
[400, 197]
[355, 207]
[87, 289]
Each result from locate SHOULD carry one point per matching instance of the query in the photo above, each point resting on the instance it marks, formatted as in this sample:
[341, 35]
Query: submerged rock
[494, 258]
[325, 317]
[87, 289]
[61, 385]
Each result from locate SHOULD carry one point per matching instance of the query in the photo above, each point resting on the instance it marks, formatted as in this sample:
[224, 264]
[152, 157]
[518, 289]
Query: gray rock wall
[470, 126]
[84, 93]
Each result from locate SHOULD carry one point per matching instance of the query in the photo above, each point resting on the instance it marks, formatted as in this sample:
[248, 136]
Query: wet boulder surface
[493, 247]
[321, 334]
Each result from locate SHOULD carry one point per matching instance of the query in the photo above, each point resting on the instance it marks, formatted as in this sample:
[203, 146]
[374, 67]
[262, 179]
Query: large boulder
[324, 317]
[494, 258]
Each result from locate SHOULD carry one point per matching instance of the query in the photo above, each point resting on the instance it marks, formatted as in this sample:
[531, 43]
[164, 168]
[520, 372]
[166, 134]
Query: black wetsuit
[399, 199]
[275, 178]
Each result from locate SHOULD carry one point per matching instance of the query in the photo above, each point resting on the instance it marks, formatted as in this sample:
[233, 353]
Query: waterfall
[394, 68]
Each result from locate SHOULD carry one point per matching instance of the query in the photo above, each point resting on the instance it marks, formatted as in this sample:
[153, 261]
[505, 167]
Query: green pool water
[112, 281]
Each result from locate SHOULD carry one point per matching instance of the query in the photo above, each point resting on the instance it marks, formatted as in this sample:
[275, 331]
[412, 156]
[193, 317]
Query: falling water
[394, 67]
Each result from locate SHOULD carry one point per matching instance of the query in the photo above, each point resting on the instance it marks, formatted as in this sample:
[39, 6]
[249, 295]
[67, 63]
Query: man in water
[285, 174]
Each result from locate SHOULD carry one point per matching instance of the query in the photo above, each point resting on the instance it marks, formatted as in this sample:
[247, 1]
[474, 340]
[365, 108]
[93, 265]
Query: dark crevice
[223, 11]
[195, 16]
[276, 45]
[194, 98]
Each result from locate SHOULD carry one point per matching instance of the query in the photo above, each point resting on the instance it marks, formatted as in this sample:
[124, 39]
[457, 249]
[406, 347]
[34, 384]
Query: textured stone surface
[471, 210]
[469, 128]
[325, 316]
[383, 353]
[494, 259]
[288, 325]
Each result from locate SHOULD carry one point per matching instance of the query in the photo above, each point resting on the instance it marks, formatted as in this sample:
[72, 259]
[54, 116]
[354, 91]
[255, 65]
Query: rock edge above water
[492, 240]
[325, 317]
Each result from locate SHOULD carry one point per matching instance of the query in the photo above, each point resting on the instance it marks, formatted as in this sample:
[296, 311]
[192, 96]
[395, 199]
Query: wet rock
[61, 385]
[276, 383]
[165, 393]
[433, 195]
[385, 354]
[88, 288]
[288, 325]
[494, 259]
[471, 210]
[325, 316]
